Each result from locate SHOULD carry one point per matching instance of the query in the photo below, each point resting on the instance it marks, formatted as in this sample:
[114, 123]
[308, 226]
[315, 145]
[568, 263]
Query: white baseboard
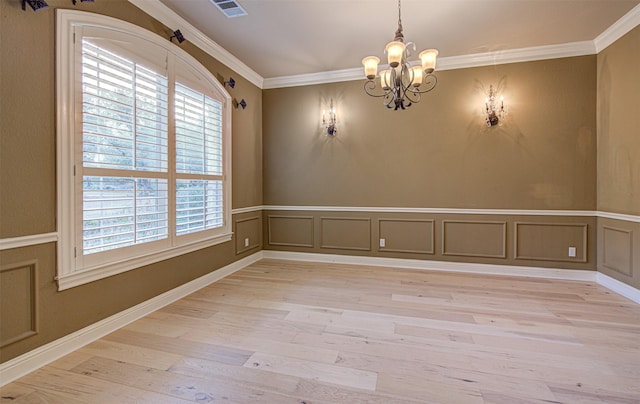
[620, 288]
[614, 285]
[485, 269]
[41, 356]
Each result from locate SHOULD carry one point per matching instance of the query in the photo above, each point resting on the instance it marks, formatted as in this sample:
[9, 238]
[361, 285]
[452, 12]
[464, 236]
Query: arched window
[143, 149]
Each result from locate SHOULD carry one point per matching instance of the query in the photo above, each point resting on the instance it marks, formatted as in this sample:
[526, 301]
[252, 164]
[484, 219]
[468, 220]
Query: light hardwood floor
[297, 332]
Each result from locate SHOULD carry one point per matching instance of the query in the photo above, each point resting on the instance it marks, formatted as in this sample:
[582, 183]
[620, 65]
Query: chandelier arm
[412, 95]
[370, 86]
[430, 81]
[389, 99]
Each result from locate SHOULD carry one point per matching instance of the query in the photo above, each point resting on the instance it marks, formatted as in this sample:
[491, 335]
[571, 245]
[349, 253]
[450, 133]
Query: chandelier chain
[399, 35]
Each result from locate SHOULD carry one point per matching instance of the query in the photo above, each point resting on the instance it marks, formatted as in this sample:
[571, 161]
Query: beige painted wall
[439, 153]
[619, 125]
[619, 157]
[28, 183]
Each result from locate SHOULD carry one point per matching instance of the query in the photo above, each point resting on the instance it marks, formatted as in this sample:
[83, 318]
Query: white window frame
[70, 271]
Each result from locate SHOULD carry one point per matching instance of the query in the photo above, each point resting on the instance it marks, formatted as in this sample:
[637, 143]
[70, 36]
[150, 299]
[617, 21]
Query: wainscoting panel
[617, 250]
[550, 241]
[291, 231]
[474, 238]
[345, 233]
[18, 302]
[407, 235]
[247, 232]
[481, 237]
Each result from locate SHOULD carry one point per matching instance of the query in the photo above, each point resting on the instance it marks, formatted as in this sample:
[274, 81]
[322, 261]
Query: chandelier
[401, 84]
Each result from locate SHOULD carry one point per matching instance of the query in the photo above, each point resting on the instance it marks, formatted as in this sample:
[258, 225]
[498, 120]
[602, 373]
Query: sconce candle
[493, 114]
[330, 121]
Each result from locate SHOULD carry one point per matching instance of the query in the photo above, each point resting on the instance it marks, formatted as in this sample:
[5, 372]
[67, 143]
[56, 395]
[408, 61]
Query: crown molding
[517, 55]
[308, 79]
[172, 20]
[625, 24]
[447, 63]
[166, 16]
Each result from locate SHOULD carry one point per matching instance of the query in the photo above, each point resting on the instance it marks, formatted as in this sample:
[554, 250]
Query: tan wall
[619, 125]
[28, 187]
[439, 153]
[619, 157]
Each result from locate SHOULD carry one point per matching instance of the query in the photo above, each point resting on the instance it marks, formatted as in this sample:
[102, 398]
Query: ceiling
[280, 38]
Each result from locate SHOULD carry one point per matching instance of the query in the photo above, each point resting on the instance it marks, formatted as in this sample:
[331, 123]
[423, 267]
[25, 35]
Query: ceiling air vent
[230, 8]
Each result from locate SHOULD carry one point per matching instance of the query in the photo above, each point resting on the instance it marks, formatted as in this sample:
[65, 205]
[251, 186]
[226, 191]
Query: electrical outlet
[572, 252]
[382, 242]
[246, 242]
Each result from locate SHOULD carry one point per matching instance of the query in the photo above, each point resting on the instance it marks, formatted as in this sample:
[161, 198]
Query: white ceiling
[292, 37]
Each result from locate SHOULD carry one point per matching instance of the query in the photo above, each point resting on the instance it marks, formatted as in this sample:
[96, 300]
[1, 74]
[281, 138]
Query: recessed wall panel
[474, 238]
[345, 233]
[617, 250]
[407, 235]
[18, 312]
[293, 231]
[551, 241]
[247, 232]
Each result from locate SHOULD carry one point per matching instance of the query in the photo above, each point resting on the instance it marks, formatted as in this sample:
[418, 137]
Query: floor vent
[230, 8]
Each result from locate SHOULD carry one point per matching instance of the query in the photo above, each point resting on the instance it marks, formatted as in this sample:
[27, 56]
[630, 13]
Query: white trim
[625, 24]
[333, 76]
[248, 209]
[172, 20]
[456, 211]
[65, 159]
[620, 288]
[619, 216]
[484, 269]
[26, 241]
[445, 266]
[41, 356]
[379, 209]
[447, 63]
[77, 278]
[518, 55]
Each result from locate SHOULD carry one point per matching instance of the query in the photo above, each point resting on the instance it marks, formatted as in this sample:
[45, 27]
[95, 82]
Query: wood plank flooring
[299, 332]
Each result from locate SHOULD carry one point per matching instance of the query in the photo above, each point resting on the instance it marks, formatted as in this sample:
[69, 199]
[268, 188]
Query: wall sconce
[231, 83]
[493, 113]
[330, 121]
[34, 4]
[237, 104]
[177, 35]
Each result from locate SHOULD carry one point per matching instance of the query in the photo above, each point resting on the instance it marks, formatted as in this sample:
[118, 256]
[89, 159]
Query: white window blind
[199, 199]
[125, 131]
[119, 212]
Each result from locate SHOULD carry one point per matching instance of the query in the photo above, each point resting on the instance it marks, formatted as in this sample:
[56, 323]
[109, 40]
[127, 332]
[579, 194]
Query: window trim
[68, 275]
